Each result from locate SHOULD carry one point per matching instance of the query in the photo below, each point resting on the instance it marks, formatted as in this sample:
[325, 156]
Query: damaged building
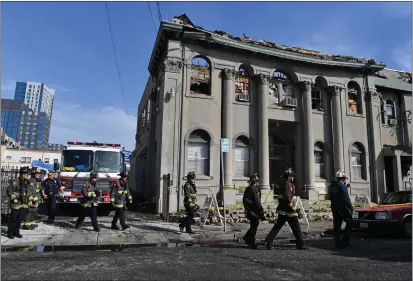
[278, 106]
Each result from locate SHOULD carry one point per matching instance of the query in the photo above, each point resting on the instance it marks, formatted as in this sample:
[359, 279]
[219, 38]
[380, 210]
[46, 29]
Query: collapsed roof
[184, 20]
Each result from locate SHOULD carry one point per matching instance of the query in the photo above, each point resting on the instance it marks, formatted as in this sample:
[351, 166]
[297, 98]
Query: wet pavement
[374, 258]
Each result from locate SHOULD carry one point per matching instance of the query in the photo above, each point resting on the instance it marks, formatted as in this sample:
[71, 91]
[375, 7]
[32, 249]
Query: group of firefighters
[341, 206]
[27, 193]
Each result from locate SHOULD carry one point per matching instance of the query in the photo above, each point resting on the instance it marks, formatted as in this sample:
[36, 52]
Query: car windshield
[108, 161]
[394, 198]
[77, 161]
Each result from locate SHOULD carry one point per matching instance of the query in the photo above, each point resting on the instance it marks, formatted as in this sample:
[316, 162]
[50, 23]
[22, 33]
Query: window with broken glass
[316, 97]
[273, 91]
[390, 110]
[284, 86]
[200, 76]
[354, 98]
[242, 81]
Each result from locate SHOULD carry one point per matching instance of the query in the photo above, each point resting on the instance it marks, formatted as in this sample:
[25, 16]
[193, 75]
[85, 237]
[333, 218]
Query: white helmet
[340, 174]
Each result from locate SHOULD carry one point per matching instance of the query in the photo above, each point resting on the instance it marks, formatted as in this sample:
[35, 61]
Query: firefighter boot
[124, 227]
[78, 225]
[18, 235]
[10, 235]
[114, 227]
[96, 229]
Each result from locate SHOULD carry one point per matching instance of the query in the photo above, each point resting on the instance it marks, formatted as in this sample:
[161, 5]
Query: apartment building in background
[278, 106]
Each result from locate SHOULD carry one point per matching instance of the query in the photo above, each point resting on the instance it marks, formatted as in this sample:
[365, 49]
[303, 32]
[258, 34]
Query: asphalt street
[369, 259]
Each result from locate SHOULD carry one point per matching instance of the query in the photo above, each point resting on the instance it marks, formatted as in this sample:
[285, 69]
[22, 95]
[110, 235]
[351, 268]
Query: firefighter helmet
[24, 170]
[190, 175]
[340, 175]
[34, 171]
[93, 175]
[124, 174]
[289, 172]
[254, 178]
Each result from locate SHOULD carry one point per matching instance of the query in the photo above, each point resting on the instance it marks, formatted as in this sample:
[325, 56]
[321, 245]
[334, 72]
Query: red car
[394, 214]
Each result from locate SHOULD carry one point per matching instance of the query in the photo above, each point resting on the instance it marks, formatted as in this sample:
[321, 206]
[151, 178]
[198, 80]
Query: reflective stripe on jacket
[119, 194]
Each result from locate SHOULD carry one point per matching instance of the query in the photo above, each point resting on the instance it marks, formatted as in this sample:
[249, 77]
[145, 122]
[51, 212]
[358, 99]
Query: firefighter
[119, 196]
[253, 210]
[189, 202]
[30, 220]
[90, 202]
[286, 213]
[19, 192]
[342, 210]
[50, 190]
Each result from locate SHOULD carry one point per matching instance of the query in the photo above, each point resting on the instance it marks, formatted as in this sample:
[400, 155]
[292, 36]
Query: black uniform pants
[51, 207]
[31, 216]
[93, 212]
[338, 219]
[187, 221]
[15, 220]
[119, 214]
[252, 231]
[294, 225]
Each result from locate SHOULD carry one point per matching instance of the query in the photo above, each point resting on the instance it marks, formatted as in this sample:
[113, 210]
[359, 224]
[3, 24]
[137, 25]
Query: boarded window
[198, 153]
[242, 157]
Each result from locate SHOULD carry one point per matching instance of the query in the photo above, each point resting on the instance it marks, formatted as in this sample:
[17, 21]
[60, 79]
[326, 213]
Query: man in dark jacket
[253, 210]
[190, 195]
[119, 196]
[287, 213]
[90, 202]
[50, 189]
[342, 210]
[19, 192]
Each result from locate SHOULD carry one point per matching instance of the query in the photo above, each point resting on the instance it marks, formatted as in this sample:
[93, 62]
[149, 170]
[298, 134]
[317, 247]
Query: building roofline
[258, 48]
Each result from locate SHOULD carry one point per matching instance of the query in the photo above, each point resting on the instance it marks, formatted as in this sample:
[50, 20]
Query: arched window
[358, 161]
[242, 84]
[319, 151]
[282, 79]
[198, 152]
[200, 76]
[354, 98]
[242, 157]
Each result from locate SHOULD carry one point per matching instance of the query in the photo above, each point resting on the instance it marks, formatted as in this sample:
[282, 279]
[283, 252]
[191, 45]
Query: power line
[159, 11]
[116, 58]
[153, 21]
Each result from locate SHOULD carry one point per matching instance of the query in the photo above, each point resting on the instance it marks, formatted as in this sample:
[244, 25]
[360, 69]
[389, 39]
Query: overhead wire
[153, 21]
[159, 11]
[116, 59]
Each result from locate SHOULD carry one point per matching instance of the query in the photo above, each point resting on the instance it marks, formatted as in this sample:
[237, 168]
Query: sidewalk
[141, 232]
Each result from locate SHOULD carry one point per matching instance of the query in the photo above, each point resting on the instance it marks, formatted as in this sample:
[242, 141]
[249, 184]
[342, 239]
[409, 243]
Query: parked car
[395, 214]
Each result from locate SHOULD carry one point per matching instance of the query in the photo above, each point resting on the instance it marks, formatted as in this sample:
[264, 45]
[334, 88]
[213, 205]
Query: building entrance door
[278, 155]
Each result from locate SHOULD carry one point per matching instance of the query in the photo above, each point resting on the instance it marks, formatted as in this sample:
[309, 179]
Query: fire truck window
[77, 160]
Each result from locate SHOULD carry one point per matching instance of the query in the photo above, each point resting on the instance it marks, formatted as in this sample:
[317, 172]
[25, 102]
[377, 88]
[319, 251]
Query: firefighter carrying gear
[19, 192]
[89, 202]
[342, 210]
[190, 196]
[286, 213]
[119, 196]
[50, 188]
[253, 210]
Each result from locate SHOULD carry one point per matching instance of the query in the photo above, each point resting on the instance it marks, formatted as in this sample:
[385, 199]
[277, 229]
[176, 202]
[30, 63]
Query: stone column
[228, 95]
[263, 143]
[308, 143]
[338, 152]
[398, 177]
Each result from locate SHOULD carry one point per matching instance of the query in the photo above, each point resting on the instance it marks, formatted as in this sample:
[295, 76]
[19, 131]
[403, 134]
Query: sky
[68, 46]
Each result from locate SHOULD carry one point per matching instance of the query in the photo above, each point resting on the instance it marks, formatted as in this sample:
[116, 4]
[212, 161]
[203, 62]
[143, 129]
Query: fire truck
[79, 159]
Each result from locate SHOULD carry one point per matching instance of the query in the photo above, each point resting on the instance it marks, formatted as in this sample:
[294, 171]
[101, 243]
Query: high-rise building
[28, 127]
[37, 96]
[27, 118]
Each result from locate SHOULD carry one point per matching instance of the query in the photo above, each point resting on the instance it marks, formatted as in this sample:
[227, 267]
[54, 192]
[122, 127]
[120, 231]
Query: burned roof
[395, 74]
[185, 21]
